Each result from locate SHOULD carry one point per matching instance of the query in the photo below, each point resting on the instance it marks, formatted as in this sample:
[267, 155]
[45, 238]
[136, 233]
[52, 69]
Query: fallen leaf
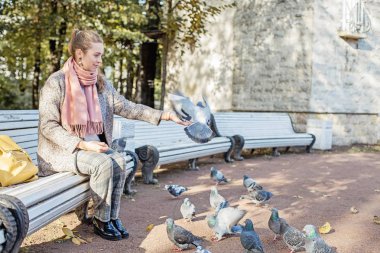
[67, 232]
[325, 229]
[75, 241]
[376, 219]
[149, 227]
[81, 240]
[354, 210]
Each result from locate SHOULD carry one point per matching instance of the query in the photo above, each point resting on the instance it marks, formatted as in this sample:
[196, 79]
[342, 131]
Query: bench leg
[275, 152]
[239, 144]
[128, 182]
[148, 156]
[82, 213]
[308, 148]
[228, 154]
[193, 164]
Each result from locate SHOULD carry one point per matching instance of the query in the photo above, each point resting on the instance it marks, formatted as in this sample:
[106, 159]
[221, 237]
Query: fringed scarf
[81, 113]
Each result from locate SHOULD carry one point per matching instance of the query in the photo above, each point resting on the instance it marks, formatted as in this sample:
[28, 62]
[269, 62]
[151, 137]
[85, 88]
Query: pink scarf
[81, 113]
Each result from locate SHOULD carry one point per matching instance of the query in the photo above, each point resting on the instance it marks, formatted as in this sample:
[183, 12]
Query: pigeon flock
[224, 222]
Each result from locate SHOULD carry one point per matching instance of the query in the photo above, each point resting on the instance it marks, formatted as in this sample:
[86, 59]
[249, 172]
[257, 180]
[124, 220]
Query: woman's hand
[170, 115]
[96, 146]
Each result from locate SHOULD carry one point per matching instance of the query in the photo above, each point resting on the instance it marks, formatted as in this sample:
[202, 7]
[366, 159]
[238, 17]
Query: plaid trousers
[107, 173]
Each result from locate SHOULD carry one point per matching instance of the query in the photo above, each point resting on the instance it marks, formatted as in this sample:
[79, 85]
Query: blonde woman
[76, 111]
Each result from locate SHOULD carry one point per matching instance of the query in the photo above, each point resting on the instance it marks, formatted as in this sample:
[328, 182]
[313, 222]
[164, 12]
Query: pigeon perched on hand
[250, 239]
[223, 222]
[187, 210]
[276, 224]
[200, 131]
[258, 197]
[217, 176]
[314, 242]
[216, 200]
[294, 239]
[181, 237]
[175, 189]
[250, 184]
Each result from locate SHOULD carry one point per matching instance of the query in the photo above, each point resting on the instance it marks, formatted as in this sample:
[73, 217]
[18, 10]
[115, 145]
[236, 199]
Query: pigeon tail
[199, 132]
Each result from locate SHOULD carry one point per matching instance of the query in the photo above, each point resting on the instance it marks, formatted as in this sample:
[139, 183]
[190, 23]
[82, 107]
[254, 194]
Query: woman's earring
[80, 62]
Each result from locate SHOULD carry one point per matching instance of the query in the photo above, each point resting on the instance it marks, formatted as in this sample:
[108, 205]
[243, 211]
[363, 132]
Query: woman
[76, 111]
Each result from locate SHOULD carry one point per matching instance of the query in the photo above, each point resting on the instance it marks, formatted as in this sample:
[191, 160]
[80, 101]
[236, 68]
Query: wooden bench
[168, 143]
[252, 130]
[47, 198]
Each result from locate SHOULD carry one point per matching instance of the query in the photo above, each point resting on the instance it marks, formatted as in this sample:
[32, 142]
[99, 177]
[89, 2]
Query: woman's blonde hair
[82, 39]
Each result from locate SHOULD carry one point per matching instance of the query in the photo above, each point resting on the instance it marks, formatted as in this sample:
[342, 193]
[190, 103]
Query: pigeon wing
[199, 132]
[182, 106]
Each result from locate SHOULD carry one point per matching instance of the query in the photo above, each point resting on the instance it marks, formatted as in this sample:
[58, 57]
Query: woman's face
[92, 59]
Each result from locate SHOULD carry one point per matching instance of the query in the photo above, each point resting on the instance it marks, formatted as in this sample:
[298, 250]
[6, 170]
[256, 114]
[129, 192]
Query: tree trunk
[36, 76]
[130, 79]
[121, 87]
[165, 50]
[148, 62]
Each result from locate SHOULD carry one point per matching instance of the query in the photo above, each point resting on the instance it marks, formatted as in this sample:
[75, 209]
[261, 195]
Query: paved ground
[309, 189]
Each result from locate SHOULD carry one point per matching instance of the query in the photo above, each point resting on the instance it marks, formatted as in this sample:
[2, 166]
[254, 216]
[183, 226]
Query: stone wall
[286, 56]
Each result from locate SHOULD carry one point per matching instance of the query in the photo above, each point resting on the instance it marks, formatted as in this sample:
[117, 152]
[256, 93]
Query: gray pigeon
[222, 205]
[258, 196]
[215, 198]
[200, 249]
[217, 176]
[200, 131]
[175, 189]
[249, 183]
[294, 239]
[223, 222]
[250, 239]
[276, 224]
[314, 242]
[187, 210]
[181, 237]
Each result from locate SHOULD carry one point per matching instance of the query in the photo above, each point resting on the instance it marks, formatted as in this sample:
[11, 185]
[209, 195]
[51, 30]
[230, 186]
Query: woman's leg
[119, 176]
[100, 168]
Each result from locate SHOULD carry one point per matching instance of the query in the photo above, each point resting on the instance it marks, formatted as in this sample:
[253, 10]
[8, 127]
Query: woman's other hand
[96, 146]
[170, 115]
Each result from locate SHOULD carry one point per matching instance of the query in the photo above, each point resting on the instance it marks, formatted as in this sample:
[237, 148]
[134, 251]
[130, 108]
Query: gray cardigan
[56, 146]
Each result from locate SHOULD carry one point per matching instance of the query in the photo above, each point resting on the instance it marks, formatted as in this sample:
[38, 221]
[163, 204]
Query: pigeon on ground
[175, 189]
[258, 197]
[223, 222]
[187, 210]
[250, 239]
[276, 224]
[294, 239]
[200, 114]
[181, 237]
[200, 249]
[314, 242]
[249, 183]
[217, 176]
[222, 205]
[216, 199]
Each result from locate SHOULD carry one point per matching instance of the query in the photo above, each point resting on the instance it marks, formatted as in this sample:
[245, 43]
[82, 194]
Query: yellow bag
[15, 164]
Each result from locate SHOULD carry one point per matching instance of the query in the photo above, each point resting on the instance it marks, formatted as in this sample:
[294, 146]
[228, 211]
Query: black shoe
[106, 230]
[119, 226]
